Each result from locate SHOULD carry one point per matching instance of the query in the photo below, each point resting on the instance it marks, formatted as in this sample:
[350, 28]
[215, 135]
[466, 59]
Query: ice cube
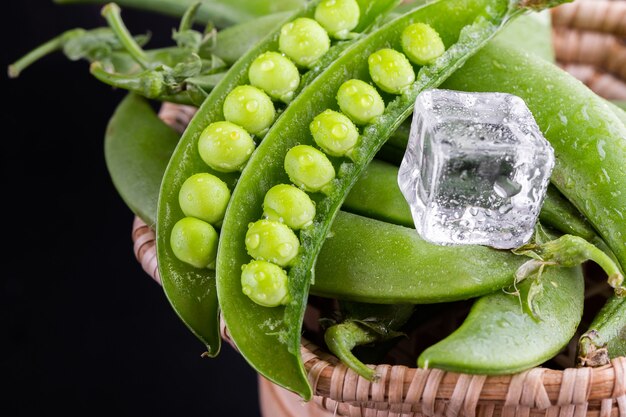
[476, 169]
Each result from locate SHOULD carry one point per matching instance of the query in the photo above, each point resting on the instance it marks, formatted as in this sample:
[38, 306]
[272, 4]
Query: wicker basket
[589, 42]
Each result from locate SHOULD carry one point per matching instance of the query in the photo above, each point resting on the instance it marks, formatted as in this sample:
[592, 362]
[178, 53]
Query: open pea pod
[264, 335]
[191, 290]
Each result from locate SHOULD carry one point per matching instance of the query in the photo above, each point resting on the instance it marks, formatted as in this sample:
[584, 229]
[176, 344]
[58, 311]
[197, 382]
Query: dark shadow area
[84, 330]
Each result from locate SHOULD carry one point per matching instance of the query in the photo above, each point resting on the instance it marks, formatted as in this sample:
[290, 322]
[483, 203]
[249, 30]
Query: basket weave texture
[589, 40]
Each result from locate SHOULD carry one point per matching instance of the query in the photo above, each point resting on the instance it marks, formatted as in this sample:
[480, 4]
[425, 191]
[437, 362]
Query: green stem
[569, 251]
[342, 338]
[112, 13]
[188, 18]
[149, 83]
[42, 50]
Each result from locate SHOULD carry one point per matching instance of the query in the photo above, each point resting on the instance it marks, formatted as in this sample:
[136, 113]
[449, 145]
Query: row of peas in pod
[249, 111]
[287, 208]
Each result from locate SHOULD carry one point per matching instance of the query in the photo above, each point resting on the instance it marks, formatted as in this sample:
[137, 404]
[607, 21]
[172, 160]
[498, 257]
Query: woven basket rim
[401, 389]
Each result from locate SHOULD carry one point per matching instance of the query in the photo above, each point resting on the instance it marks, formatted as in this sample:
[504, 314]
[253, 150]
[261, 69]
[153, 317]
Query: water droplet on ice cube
[476, 169]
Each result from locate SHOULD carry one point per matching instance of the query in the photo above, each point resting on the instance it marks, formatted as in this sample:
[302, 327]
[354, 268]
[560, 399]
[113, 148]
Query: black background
[83, 330]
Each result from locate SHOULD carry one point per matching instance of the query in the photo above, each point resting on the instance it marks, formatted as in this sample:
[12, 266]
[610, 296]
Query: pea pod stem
[150, 84]
[364, 324]
[186, 22]
[112, 13]
[53, 45]
[147, 83]
[569, 251]
[342, 338]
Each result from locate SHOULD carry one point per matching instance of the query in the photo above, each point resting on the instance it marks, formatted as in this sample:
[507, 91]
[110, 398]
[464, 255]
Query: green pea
[272, 241]
[205, 197]
[422, 44]
[265, 283]
[290, 205]
[194, 241]
[225, 147]
[334, 133]
[338, 17]
[391, 70]
[360, 101]
[250, 108]
[276, 75]
[304, 41]
[309, 168]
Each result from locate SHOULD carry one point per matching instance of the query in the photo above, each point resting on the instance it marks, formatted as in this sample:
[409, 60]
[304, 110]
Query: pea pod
[620, 103]
[587, 137]
[464, 28]
[606, 337]
[190, 290]
[377, 195]
[371, 261]
[532, 33]
[499, 338]
[137, 148]
[233, 42]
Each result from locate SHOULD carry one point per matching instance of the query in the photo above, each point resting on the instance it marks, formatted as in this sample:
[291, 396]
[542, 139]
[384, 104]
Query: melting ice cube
[476, 169]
